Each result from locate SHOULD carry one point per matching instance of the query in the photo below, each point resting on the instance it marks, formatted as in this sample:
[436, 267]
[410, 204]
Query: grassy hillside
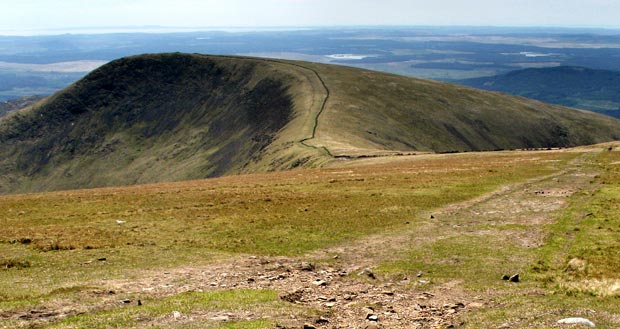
[387, 112]
[438, 232]
[579, 87]
[150, 118]
[171, 117]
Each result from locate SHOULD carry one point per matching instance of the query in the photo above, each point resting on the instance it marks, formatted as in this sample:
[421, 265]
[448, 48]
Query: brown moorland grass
[76, 241]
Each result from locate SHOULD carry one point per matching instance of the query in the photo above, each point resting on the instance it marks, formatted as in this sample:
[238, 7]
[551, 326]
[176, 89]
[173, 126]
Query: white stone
[582, 321]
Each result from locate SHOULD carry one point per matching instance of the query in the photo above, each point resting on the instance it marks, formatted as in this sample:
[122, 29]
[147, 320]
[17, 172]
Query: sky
[21, 16]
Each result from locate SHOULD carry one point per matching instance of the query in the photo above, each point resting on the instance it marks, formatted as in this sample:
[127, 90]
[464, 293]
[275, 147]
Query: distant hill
[18, 103]
[579, 87]
[170, 117]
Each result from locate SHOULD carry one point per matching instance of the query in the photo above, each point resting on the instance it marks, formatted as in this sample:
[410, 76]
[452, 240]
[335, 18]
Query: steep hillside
[588, 89]
[149, 118]
[171, 117]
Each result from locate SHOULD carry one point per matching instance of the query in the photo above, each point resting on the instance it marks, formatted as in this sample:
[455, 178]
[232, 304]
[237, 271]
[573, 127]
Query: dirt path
[341, 283]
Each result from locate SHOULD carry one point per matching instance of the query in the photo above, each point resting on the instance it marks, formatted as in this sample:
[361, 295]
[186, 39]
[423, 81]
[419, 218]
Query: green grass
[521, 310]
[178, 224]
[478, 261]
[201, 306]
[588, 232]
[573, 272]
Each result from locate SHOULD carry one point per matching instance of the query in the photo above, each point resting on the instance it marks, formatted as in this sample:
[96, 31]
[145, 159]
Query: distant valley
[19, 103]
[579, 87]
[42, 65]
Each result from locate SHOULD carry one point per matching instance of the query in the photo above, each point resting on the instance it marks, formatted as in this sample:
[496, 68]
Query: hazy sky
[20, 15]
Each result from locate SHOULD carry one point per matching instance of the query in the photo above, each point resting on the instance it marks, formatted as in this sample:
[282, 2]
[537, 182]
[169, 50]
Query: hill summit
[169, 117]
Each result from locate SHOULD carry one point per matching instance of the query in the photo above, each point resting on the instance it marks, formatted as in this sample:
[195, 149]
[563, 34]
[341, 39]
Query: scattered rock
[25, 240]
[505, 277]
[454, 306]
[176, 314]
[372, 317]
[126, 301]
[102, 259]
[277, 277]
[580, 321]
[306, 266]
[293, 297]
[309, 326]
[514, 278]
[475, 305]
[322, 320]
[139, 302]
[432, 216]
[576, 265]
[367, 272]
[319, 283]
[220, 318]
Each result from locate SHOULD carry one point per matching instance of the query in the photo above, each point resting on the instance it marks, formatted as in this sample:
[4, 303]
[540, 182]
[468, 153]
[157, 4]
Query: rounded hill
[169, 117]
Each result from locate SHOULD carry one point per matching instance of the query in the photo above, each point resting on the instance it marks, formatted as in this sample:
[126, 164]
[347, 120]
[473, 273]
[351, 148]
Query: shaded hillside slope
[580, 87]
[149, 118]
[171, 117]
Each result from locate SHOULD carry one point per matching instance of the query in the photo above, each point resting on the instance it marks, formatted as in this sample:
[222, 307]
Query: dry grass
[75, 239]
[573, 271]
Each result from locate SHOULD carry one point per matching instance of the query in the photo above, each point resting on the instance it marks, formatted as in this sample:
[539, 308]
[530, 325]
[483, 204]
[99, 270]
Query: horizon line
[181, 29]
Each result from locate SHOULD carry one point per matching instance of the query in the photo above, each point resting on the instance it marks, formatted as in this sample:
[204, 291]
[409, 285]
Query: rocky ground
[342, 283]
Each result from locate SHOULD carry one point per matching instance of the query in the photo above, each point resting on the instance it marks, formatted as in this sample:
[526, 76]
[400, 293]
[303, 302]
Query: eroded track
[345, 285]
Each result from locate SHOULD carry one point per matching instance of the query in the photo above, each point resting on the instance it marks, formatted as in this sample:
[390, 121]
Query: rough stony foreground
[341, 284]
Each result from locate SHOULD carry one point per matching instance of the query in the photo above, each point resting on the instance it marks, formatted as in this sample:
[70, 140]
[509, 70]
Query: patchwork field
[395, 242]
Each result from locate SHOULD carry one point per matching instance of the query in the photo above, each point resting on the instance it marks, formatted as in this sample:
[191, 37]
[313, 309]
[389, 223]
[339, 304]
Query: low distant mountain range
[573, 86]
[18, 103]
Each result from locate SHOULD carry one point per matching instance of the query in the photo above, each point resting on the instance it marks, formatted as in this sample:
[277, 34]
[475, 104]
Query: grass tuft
[14, 264]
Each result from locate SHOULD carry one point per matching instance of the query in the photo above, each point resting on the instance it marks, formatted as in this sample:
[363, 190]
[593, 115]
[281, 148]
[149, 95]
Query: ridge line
[321, 110]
